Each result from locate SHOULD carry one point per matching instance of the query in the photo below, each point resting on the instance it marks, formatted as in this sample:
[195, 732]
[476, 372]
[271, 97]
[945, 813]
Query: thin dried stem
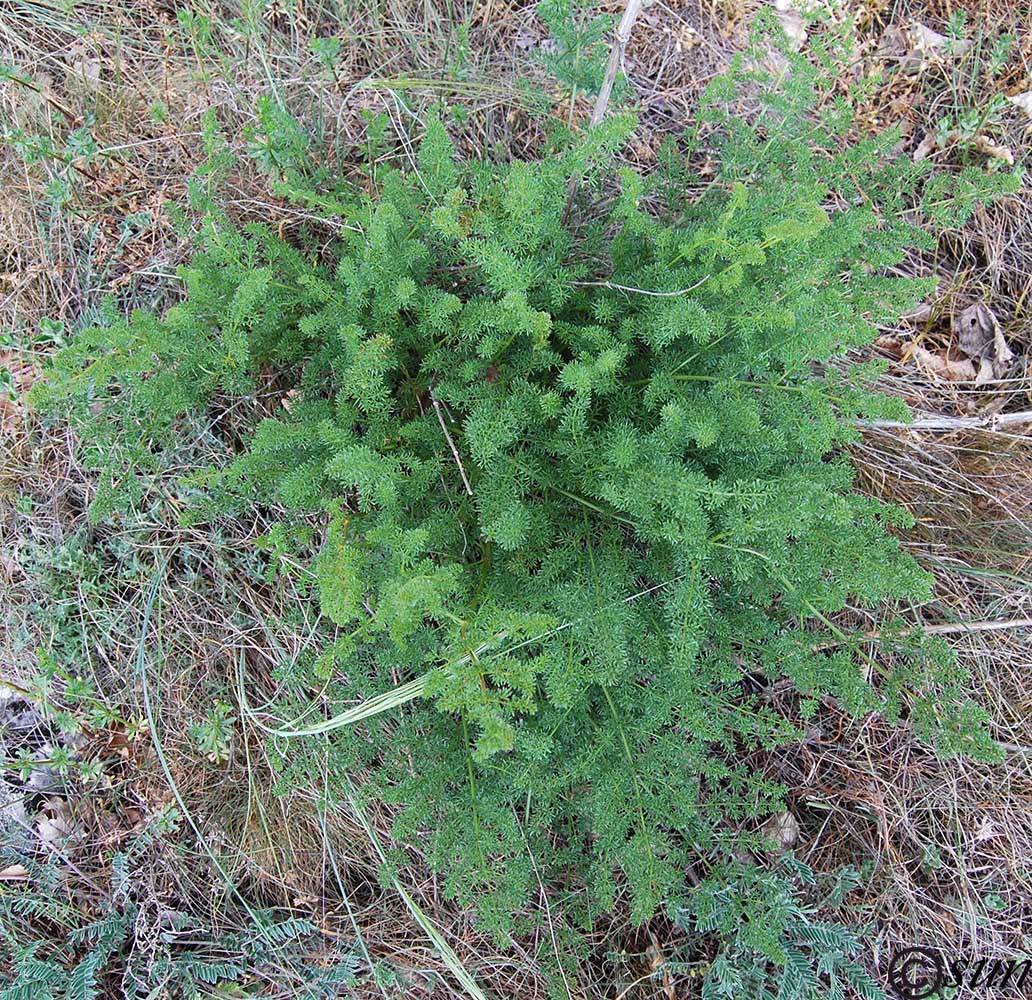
[936, 422]
[616, 54]
[641, 291]
[451, 444]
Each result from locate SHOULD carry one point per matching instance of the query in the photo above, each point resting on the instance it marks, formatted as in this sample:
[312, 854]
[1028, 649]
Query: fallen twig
[451, 444]
[951, 628]
[616, 53]
[985, 626]
[935, 422]
[640, 291]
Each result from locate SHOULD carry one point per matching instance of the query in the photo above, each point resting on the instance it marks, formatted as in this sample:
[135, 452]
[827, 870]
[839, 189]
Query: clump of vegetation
[108, 956]
[563, 474]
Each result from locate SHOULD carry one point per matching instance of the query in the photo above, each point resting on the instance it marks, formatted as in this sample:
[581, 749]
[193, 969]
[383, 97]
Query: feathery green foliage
[770, 919]
[100, 949]
[578, 483]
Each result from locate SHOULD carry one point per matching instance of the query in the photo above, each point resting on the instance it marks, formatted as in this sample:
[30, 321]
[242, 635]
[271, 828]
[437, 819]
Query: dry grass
[950, 840]
[949, 843]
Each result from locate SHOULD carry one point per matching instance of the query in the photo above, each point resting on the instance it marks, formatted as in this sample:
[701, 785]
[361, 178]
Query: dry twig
[616, 54]
[935, 422]
[451, 444]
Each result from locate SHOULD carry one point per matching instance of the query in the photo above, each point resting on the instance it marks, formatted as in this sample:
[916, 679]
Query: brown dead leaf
[659, 966]
[14, 873]
[926, 40]
[915, 47]
[85, 67]
[921, 313]
[926, 147]
[55, 824]
[23, 377]
[977, 352]
[1023, 101]
[10, 567]
[986, 145]
[792, 23]
[782, 828]
[979, 335]
[890, 345]
[951, 368]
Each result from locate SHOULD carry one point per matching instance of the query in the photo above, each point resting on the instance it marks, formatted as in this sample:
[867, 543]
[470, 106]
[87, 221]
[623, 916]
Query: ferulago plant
[565, 478]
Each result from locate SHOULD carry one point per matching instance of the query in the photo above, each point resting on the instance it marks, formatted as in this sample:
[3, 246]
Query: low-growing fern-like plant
[773, 918]
[572, 492]
[101, 956]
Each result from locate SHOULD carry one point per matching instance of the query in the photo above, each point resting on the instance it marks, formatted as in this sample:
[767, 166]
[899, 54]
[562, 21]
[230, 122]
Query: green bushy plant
[577, 45]
[571, 491]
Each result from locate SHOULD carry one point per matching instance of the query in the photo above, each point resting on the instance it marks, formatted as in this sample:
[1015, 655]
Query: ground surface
[103, 123]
